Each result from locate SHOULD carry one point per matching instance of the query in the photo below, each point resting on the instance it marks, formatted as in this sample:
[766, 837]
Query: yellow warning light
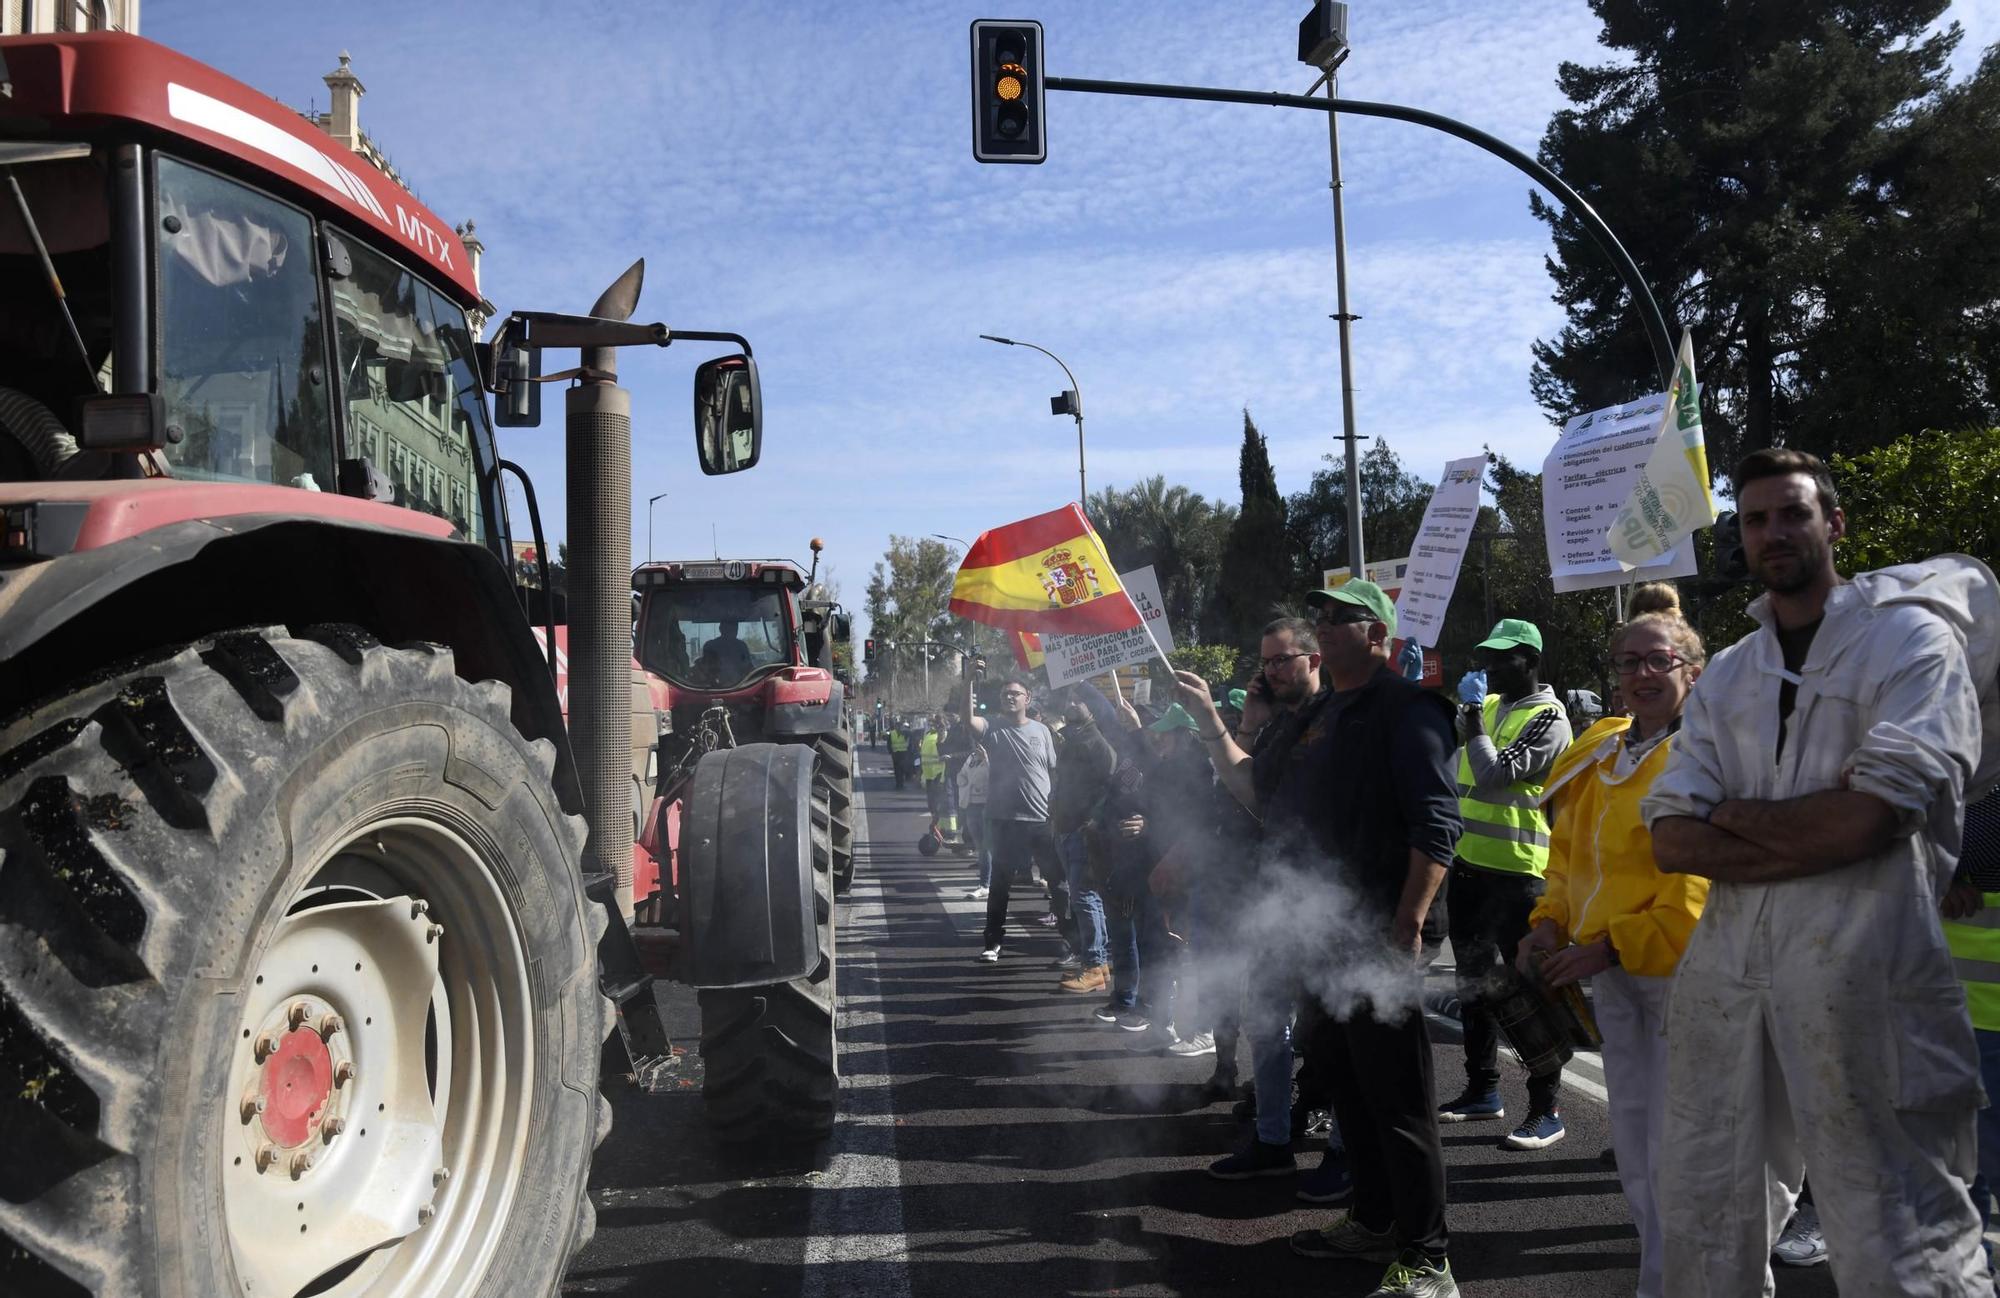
[1009, 85]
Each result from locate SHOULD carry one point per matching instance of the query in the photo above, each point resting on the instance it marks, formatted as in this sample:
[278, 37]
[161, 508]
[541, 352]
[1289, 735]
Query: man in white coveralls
[1815, 1022]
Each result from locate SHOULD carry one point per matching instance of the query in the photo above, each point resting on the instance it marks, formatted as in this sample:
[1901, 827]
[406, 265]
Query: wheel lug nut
[266, 1043]
[425, 1214]
[297, 1013]
[331, 1128]
[328, 1025]
[440, 1176]
[434, 932]
[419, 908]
[301, 1164]
[267, 1154]
[343, 1073]
[253, 1104]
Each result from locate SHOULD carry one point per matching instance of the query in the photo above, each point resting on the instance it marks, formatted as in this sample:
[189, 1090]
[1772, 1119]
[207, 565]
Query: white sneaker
[977, 894]
[991, 955]
[1801, 1244]
[1201, 1043]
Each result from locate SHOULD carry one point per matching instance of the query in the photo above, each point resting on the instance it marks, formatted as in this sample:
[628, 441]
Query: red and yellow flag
[1048, 574]
[1027, 647]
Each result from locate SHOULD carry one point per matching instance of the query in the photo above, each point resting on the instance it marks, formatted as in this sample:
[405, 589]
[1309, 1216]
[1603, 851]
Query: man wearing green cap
[1511, 740]
[1354, 787]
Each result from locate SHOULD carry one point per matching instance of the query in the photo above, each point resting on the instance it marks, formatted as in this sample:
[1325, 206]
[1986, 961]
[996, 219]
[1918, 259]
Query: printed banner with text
[1585, 482]
[1073, 658]
[1439, 550]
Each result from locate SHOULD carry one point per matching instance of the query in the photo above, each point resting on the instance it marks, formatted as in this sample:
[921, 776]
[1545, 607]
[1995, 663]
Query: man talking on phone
[1354, 786]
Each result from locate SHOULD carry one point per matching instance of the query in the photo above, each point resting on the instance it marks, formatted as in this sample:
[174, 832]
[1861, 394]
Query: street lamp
[1069, 402]
[957, 541]
[650, 502]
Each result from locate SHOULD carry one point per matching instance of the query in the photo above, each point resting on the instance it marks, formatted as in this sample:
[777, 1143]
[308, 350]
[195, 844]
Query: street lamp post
[1069, 403]
[650, 502]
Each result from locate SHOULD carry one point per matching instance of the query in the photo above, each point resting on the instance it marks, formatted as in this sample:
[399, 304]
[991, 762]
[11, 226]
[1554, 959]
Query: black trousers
[1488, 912]
[1016, 845]
[1380, 1078]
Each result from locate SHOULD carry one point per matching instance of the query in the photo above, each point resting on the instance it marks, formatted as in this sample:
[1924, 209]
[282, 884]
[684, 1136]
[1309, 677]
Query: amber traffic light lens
[1008, 88]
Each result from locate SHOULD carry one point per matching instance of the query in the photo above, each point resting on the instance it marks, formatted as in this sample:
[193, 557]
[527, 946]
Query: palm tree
[1178, 531]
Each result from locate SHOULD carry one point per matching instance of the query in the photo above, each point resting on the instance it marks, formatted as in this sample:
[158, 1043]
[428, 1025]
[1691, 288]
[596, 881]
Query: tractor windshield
[715, 636]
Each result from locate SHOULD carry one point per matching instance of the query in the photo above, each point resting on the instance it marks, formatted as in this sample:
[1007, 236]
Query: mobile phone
[1259, 687]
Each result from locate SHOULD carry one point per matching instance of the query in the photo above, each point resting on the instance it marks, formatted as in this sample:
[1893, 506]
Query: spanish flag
[1027, 647]
[1048, 574]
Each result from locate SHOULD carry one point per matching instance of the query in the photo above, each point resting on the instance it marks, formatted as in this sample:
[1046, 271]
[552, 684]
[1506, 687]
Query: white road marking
[856, 1212]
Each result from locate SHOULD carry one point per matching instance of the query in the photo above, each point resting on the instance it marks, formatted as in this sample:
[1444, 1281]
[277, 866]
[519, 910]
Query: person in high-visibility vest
[943, 818]
[1511, 741]
[1972, 931]
[899, 752]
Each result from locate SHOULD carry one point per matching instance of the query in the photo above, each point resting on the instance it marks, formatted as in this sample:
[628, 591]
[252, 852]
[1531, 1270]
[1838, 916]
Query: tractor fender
[804, 717]
[89, 610]
[749, 913]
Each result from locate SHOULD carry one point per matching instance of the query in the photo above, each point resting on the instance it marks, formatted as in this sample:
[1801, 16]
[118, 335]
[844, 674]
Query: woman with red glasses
[1608, 913]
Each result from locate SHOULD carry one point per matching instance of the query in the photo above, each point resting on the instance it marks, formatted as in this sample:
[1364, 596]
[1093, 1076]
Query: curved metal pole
[1082, 486]
[1649, 310]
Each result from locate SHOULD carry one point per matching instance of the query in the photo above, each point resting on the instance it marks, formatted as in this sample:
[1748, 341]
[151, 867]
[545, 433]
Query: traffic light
[1731, 564]
[868, 651]
[1007, 98]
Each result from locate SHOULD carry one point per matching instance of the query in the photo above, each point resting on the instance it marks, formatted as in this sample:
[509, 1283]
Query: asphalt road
[995, 1140]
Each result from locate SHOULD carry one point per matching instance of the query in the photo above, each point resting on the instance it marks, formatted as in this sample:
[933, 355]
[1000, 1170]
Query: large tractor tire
[772, 1067]
[298, 984]
[836, 773]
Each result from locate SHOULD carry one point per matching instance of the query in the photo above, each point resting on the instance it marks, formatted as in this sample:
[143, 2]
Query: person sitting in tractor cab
[726, 659]
[714, 636]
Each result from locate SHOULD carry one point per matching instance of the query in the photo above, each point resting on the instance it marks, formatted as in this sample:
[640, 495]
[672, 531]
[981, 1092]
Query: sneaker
[1156, 1039]
[1801, 1244]
[1348, 1239]
[1135, 1020]
[1047, 921]
[1095, 978]
[1201, 1043]
[1070, 961]
[1330, 1182]
[1255, 1159]
[1539, 1130]
[978, 894]
[1415, 1276]
[991, 955]
[1106, 1013]
[1473, 1106]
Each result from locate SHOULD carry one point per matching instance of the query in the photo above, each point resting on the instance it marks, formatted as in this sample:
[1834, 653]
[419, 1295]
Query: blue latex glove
[1410, 663]
[1472, 687]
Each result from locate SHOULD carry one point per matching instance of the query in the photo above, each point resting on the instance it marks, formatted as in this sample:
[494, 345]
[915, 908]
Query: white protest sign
[1439, 550]
[1585, 481]
[1072, 658]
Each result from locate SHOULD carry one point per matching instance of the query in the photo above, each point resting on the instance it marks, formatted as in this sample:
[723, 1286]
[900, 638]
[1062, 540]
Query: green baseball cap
[1175, 718]
[1237, 698]
[1361, 594]
[1510, 632]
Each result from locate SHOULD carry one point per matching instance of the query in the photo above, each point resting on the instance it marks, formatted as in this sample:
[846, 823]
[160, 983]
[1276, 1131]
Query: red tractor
[305, 958]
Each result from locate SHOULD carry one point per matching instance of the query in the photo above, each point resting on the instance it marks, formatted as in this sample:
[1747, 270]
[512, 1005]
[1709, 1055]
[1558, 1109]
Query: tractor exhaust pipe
[598, 481]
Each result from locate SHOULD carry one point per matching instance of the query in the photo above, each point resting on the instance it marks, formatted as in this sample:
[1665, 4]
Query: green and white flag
[1672, 497]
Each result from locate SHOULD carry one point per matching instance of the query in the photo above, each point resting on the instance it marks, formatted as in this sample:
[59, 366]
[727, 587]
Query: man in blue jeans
[1020, 761]
[1083, 762]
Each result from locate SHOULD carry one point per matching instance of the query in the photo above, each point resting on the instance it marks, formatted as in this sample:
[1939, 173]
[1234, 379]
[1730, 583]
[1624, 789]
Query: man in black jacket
[1356, 793]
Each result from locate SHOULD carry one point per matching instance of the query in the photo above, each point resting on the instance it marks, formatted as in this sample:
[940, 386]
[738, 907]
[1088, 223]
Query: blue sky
[802, 174]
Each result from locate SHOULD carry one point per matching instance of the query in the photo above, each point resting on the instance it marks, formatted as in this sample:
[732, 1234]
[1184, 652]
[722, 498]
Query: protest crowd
[1766, 884]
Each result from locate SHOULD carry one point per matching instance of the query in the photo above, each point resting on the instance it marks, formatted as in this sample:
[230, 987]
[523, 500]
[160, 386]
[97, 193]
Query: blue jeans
[1269, 1026]
[1141, 965]
[1086, 906]
[1988, 1183]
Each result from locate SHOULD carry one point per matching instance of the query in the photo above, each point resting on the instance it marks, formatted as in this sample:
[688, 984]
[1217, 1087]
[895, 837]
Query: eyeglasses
[1012, 694]
[1657, 663]
[1279, 660]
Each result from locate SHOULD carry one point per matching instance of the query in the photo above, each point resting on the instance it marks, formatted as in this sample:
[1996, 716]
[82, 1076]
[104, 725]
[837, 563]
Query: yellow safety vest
[898, 742]
[933, 765]
[1504, 830]
[1975, 952]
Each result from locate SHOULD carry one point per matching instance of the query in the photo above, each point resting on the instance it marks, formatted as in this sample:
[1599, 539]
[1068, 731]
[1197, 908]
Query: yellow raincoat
[1601, 877]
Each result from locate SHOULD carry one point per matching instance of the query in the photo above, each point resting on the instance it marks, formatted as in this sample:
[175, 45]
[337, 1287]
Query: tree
[1221, 665]
[1807, 194]
[1179, 532]
[1929, 493]
[1392, 508]
[1254, 578]
[908, 602]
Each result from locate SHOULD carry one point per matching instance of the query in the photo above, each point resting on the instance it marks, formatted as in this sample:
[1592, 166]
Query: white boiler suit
[1816, 1023]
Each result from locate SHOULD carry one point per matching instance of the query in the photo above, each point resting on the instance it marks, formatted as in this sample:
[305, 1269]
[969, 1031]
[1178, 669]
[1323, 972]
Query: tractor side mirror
[842, 628]
[515, 377]
[728, 414]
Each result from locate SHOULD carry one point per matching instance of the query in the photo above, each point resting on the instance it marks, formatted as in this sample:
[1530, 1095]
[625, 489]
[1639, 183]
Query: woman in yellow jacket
[1608, 914]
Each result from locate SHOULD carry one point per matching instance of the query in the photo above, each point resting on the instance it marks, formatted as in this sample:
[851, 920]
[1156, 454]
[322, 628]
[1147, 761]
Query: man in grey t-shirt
[1021, 758]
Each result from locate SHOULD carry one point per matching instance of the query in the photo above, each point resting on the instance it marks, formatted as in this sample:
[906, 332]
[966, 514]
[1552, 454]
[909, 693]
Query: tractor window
[38, 358]
[407, 376]
[714, 635]
[242, 354]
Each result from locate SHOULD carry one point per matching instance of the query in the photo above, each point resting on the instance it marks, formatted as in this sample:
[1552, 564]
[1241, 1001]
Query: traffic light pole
[1650, 317]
